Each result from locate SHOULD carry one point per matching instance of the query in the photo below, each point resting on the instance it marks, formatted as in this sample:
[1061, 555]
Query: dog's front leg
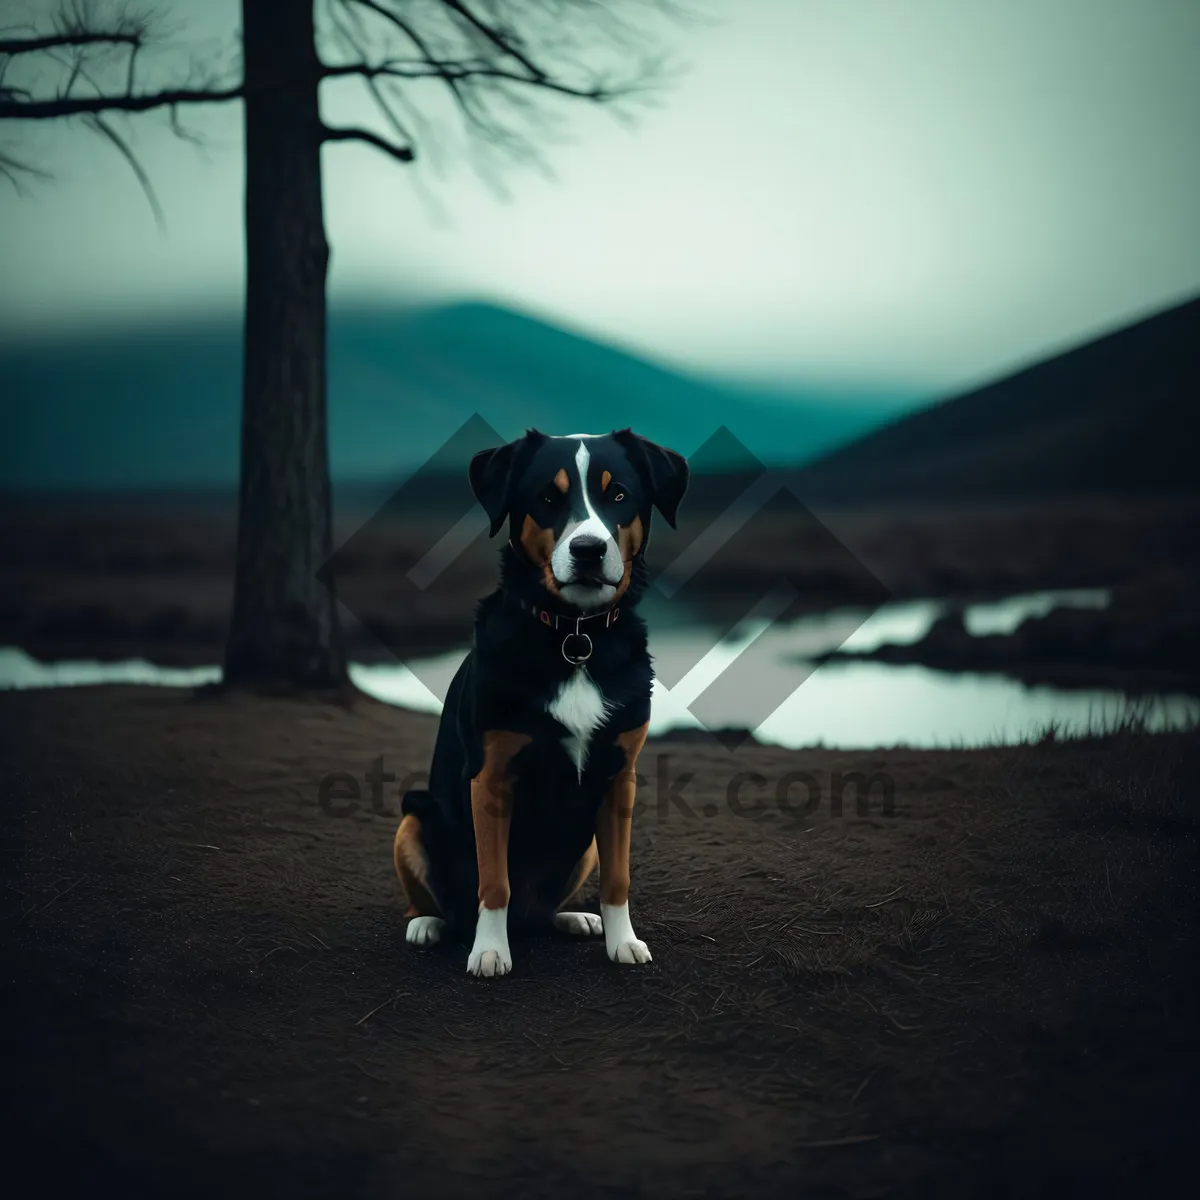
[491, 813]
[614, 828]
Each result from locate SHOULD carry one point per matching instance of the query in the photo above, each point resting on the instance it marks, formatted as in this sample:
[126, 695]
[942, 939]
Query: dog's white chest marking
[581, 707]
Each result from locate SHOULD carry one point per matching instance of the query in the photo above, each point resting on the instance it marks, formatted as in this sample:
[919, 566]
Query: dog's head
[578, 507]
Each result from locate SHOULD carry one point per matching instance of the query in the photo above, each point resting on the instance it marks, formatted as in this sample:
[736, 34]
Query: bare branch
[399, 22]
[404, 154]
[93, 47]
[81, 32]
[101, 126]
[423, 47]
[499, 59]
[131, 69]
[13, 169]
[45, 110]
[186, 135]
[372, 83]
[505, 44]
[452, 72]
[58, 41]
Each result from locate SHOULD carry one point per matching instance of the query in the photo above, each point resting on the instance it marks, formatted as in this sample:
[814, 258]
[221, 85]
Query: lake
[730, 681]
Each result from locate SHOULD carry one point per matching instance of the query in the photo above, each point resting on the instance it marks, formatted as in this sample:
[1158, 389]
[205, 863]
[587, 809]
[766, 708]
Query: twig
[389, 1000]
[829, 1143]
[902, 1028]
[70, 887]
[275, 951]
[367, 1073]
[402, 154]
[789, 922]
[98, 123]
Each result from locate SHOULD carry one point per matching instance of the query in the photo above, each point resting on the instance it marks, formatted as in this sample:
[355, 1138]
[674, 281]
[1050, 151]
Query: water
[848, 705]
[18, 670]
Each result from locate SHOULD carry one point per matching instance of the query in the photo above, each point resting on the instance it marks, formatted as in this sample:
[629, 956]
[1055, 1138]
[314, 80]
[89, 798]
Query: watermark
[663, 792]
[748, 557]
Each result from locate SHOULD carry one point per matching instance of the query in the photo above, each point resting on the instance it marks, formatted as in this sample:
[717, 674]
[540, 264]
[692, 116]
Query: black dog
[533, 774]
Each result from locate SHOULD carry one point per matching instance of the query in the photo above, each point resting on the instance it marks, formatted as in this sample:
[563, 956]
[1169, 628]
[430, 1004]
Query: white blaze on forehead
[583, 460]
[591, 525]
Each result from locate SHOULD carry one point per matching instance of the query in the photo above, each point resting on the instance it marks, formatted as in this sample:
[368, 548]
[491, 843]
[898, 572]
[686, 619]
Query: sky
[917, 194]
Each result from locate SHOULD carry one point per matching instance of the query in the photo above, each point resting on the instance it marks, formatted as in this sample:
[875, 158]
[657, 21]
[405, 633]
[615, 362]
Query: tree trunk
[284, 631]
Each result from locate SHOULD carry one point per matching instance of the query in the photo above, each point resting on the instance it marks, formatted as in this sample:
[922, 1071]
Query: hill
[158, 406]
[1113, 416]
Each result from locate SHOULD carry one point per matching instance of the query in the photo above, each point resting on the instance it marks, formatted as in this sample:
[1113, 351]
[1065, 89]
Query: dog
[533, 776]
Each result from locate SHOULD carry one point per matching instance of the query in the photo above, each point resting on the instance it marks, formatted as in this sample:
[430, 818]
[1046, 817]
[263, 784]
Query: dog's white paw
[622, 944]
[424, 931]
[488, 963]
[578, 924]
[631, 952]
[490, 955]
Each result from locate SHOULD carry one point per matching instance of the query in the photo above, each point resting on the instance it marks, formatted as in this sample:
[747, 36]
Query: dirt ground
[988, 991]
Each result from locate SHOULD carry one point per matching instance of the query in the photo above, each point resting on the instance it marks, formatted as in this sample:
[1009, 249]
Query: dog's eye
[551, 496]
[618, 496]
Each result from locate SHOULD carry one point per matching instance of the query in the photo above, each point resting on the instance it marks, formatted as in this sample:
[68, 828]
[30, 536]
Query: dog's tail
[418, 801]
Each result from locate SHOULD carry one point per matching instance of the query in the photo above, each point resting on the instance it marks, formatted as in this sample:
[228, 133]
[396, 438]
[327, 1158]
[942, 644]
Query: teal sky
[914, 193]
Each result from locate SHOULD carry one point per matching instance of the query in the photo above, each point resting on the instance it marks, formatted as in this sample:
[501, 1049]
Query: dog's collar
[562, 620]
[577, 645]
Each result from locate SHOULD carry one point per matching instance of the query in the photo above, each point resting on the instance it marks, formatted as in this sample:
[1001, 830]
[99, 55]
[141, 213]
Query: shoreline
[106, 578]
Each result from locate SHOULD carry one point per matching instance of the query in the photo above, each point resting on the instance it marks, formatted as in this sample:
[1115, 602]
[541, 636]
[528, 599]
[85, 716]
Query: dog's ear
[664, 472]
[493, 473]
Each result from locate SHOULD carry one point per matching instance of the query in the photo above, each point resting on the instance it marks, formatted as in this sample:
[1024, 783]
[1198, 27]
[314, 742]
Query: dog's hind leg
[412, 867]
[579, 924]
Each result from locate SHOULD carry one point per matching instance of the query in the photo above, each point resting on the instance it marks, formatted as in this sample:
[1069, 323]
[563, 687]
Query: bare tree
[502, 63]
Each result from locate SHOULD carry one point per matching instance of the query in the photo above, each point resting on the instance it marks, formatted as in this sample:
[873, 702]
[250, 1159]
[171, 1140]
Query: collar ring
[577, 648]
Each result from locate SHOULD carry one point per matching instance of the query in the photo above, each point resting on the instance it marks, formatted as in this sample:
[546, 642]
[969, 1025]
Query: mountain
[157, 406]
[1115, 416]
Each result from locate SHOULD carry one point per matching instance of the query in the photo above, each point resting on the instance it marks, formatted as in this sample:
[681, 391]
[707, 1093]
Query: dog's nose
[587, 548]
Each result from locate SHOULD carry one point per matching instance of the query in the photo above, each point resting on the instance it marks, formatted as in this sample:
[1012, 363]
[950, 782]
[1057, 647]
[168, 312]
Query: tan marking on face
[538, 544]
[630, 538]
[629, 542]
[605, 480]
[562, 481]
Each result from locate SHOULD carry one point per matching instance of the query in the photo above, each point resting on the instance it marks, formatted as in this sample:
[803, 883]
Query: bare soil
[987, 991]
